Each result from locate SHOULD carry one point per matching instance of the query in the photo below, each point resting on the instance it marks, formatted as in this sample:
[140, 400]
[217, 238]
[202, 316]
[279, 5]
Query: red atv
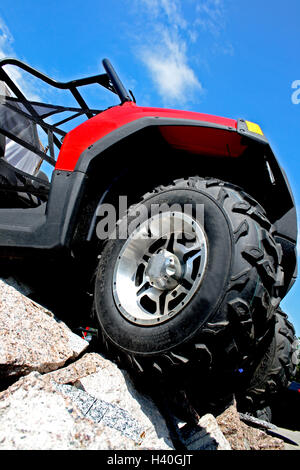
[188, 219]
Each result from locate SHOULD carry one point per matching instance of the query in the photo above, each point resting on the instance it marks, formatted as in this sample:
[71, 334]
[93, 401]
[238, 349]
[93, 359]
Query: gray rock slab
[205, 436]
[114, 386]
[107, 413]
[31, 338]
[34, 415]
[243, 437]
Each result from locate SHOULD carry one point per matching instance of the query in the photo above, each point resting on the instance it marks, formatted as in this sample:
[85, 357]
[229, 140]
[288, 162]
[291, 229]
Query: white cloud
[165, 51]
[169, 68]
[210, 15]
[171, 9]
[170, 31]
[6, 40]
[16, 74]
[6, 50]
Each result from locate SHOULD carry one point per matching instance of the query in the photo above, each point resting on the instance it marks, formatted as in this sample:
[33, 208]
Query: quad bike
[193, 289]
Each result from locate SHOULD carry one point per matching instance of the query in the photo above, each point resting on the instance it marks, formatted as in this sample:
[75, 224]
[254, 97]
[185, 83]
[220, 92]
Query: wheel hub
[160, 268]
[164, 270]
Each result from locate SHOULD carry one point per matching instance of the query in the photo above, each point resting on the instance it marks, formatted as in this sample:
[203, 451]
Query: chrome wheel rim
[160, 268]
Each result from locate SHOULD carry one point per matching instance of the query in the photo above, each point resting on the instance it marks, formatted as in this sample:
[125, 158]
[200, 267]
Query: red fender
[193, 139]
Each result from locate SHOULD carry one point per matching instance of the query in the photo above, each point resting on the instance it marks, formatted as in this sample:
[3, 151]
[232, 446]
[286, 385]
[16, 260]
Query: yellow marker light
[252, 127]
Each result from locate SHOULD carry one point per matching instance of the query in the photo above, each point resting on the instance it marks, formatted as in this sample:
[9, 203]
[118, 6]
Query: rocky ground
[55, 393]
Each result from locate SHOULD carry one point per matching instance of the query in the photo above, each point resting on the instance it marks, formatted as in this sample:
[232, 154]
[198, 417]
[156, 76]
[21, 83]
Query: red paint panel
[94, 129]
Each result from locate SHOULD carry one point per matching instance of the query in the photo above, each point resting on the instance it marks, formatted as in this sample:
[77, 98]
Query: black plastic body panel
[286, 220]
[47, 227]
[284, 207]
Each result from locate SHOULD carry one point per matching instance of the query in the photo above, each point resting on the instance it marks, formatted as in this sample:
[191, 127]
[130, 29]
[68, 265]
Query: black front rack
[37, 112]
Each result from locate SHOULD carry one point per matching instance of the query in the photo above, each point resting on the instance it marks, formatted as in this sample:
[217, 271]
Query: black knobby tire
[274, 372]
[222, 325]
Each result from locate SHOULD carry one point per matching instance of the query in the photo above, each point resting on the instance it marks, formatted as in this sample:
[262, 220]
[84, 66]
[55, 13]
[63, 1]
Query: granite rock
[206, 435]
[34, 415]
[49, 412]
[91, 403]
[243, 437]
[113, 386]
[31, 338]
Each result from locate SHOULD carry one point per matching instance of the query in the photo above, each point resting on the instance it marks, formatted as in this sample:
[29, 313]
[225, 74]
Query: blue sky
[224, 57]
